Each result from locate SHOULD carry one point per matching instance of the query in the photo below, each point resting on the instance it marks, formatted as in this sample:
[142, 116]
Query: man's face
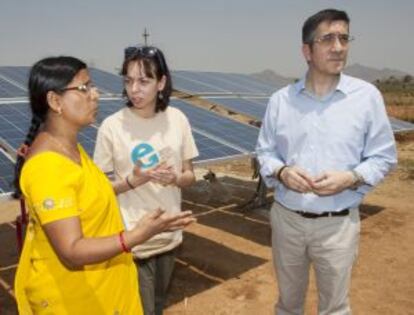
[328, 52]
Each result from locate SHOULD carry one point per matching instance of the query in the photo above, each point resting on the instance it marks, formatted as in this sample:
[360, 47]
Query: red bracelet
[122, 241]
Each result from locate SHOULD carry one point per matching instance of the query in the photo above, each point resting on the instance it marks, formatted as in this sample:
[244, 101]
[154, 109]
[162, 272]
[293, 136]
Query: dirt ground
[224, 265]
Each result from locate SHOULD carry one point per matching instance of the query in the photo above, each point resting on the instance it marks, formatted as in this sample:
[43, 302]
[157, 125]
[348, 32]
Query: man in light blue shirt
[325, 141]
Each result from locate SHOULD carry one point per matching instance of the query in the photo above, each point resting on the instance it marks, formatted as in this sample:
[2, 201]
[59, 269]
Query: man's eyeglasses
[84, 88]
[330, 39]
[145, 51]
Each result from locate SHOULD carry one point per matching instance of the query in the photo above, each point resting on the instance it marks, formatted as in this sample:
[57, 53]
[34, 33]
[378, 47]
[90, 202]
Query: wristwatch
[358, 180]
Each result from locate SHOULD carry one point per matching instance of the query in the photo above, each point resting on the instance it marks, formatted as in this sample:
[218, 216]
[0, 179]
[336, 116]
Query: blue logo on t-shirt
[145, 155]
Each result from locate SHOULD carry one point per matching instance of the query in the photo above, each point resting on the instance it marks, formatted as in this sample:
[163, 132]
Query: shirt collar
[342, 85]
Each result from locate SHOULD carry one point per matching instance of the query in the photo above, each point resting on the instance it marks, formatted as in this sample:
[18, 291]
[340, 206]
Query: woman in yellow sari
[76, 256]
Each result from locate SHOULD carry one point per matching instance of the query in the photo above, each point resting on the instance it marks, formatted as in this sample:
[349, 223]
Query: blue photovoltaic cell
[400, 125]
[192, 86]
[87, 138]
[254, 84]
[210, 149]
[197, 82]
[106, 82]
[19, 75]
[261, 101]
[107, 108]
[8, 89]
[218, 127]
[6, 173]
[15, 122]
[241, 105]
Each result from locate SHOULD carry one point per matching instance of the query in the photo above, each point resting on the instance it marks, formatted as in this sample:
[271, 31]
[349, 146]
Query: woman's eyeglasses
[85, 88]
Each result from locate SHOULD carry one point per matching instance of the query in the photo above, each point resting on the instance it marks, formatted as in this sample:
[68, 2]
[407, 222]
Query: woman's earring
[160, 96]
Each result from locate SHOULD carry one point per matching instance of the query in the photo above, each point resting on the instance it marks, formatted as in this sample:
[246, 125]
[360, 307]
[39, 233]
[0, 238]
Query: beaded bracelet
[122, 242]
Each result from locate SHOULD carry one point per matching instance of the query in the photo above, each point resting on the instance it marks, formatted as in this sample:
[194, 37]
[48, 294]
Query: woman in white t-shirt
[158, 138]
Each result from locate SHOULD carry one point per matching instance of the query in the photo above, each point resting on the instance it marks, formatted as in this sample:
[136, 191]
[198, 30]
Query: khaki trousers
[330, 244]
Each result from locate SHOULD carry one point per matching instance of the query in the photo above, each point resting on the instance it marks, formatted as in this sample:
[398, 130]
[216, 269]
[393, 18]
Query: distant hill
[272, 78]
[356, 70]
[371, 74]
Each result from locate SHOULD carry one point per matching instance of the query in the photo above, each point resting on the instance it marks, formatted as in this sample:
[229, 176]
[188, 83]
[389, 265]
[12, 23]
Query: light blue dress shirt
[347, 129]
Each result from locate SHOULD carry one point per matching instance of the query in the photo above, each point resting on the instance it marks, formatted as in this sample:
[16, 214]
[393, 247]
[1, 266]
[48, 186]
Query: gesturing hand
[297, 179]
[163, 174]
[332, 182]
[159, 221]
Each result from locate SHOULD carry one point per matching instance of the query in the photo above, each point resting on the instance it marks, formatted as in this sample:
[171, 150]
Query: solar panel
[196, 82]
[192, 86]
[106, 82]
[234, 134]
[8, 89]
[400, 125]
[19, 75]
[256, 108]
[245, 106]
[15, 122]
[107, 108]
[6, 173]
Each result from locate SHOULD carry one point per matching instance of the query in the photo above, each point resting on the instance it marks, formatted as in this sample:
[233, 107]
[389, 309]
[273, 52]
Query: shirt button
[44, 304]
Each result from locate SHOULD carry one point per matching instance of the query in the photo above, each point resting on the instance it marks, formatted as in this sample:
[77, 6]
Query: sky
[215, 35]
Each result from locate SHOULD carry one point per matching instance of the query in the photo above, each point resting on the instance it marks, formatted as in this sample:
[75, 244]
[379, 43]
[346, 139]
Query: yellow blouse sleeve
[50, 183]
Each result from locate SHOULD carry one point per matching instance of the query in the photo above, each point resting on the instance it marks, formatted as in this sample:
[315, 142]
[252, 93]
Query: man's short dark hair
[312, 23]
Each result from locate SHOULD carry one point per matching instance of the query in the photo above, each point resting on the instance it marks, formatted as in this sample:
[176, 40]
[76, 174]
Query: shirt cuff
[268, 172]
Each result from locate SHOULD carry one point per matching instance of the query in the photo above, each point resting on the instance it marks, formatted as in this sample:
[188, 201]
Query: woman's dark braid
[31, 135]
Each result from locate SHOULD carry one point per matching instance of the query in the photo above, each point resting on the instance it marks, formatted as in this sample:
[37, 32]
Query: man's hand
[332, 182]
[296, 179]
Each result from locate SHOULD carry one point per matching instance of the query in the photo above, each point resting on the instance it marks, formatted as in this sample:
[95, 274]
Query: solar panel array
[197, 82]
[217, 137]
[15, 122]
[107, 83]
[253, 107]
[9, 89]
[256, 108]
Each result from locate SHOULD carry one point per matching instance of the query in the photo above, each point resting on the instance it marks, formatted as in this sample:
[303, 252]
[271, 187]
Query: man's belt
[310, 215]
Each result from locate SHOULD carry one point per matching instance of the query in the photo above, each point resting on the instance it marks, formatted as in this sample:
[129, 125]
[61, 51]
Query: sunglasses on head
[146, 52]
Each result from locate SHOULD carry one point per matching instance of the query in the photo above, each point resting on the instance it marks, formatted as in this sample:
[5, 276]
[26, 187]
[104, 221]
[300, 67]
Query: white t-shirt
[125, 138]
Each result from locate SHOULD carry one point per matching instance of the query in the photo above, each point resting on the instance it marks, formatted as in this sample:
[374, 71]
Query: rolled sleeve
[379, 155]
